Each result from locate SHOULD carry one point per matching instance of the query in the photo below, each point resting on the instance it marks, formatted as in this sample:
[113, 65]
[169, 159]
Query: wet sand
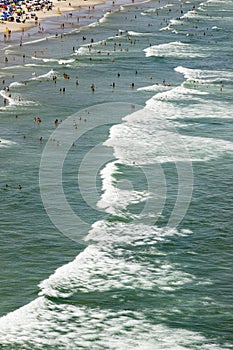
[59, 7]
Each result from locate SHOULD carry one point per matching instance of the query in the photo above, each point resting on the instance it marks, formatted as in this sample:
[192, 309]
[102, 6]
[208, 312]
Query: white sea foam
[132, 33]
[218, 1]
[35, 41]
[171, 25]
[155, 88]
[205, 76]
[203, 148]
[176, 22]
[41, 324]
[144, 138]
[179, 93]
[199, 148]
[59, 61]
[91, 25]
[176, 49]
[6, 143]
[85, 51]
[93, 47]
[106, 266]
[46, 76]
[114, 199]
[135, 234]
[190, 14]
[66, 61]
[12, 68]
[168, 27]
[44, 59]
[217, 28]
[149, 137]
[102, 268]
[104, 18]
[14, 100]
[132, 146]
[31, 65]
[211, 109]
[16, 84]
[97, 270]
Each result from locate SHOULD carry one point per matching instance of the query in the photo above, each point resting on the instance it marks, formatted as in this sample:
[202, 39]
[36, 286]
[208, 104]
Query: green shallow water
[129, 280]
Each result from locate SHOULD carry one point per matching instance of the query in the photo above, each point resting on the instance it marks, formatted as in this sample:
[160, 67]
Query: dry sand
[59, 7]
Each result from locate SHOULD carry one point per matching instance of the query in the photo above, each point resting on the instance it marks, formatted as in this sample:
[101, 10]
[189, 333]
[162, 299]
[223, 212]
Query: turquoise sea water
[121, 235]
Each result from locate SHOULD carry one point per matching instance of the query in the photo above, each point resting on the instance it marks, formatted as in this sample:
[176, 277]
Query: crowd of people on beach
[20, 11]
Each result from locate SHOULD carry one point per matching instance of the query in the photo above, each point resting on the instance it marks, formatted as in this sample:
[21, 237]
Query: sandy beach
[59, 7]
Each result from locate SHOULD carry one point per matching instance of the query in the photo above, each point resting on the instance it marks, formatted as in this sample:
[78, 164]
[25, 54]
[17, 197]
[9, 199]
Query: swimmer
[37, 120]
[66, 76]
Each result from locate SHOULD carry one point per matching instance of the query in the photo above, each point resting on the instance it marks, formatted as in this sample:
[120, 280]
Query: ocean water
[121, 235]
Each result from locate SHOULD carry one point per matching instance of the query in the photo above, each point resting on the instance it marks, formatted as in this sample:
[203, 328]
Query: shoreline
[59, 7]
[65, 17]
